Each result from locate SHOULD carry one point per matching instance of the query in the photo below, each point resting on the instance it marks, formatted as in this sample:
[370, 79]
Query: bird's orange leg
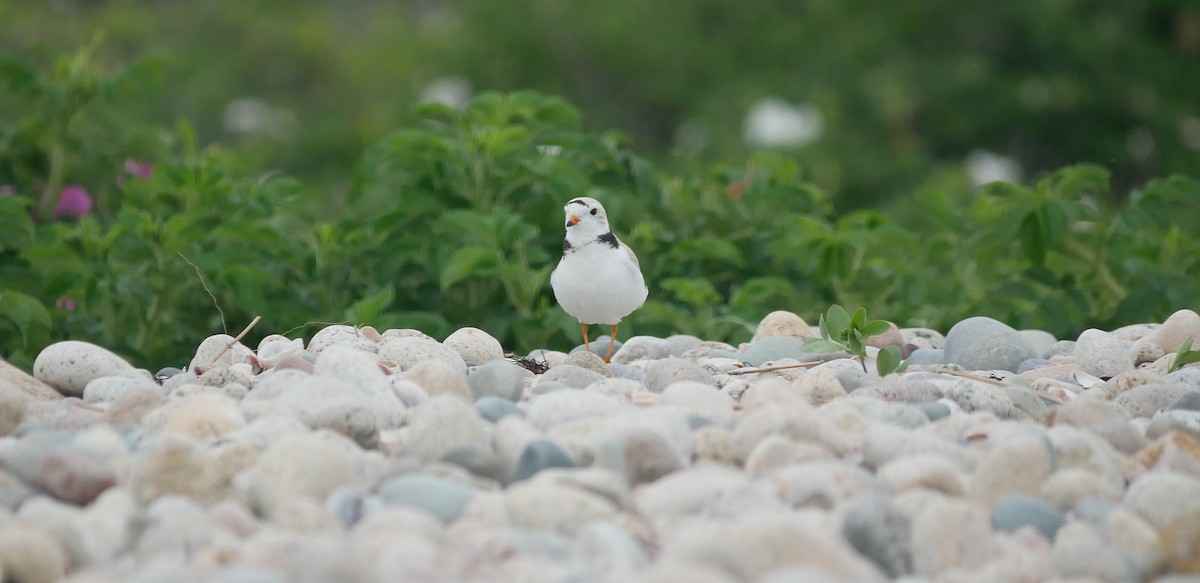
[583, 327]
[612, 338]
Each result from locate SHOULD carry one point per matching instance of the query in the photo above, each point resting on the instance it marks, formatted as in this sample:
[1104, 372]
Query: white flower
[773, 122]
[250, 115]
[1189, 132]
[984, 167]
[449, 91]
[691, 136]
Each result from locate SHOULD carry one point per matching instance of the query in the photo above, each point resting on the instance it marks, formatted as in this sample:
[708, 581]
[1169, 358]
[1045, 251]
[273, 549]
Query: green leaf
[821, 345]
[855, 346]
[859, 320]
[1185, 355]
[875, 328]
[1033, 241]
[25, 311]
[837, 320]
[888, 360]
[367, 310]
[470, 261]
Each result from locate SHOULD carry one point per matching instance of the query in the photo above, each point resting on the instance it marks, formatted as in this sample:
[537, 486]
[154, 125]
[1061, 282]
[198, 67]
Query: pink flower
[74, 202]
[65, 303]
[139, 169]
[7, 190]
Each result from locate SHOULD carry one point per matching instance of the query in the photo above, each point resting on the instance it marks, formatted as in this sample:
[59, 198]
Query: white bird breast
[598, 284]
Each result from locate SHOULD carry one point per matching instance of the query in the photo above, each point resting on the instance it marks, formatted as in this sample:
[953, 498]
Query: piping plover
[598, 280]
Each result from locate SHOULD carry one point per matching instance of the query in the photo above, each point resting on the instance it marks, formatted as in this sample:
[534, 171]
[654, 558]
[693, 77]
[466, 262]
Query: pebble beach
[999, 455]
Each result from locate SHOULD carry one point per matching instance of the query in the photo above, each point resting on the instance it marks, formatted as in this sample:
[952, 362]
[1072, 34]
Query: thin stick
[235, 340]
[741, 371]
[203, 283]
[967, 375]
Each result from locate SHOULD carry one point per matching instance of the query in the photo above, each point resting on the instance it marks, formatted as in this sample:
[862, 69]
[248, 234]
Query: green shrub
[455, 220]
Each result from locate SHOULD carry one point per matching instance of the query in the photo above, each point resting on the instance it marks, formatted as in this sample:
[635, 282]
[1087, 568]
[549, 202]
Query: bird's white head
[586, 219]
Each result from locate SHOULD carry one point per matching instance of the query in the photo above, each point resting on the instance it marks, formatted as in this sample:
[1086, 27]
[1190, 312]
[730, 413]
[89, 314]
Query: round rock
[782, 323]
[443, 498]
[982, 343]
[1017, 510]
[499, 378]
[70, 365]
[475, 346]
[1102, 354]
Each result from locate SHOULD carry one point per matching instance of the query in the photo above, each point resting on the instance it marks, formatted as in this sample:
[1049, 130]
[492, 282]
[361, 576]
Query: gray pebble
[982, 343]
[1189, 401]
[933, 410]
[346, 503]
[853, 379]
[678, 344]
[1093, 509]
[662, 373]
[495, 408]
[1032, 363]
[444, 498]
[70, 365]
[571, 376]
[642, 348]
[926, 356]
[479, 459]
[897, 390]
[538, 455]
[624, 371]
[498, 378]
[1146, 400]
[599, 346]
[1017, 510]
[1060, 348]
[1102, 354]
[110, 389]
[880, 531]
[773, 348]
[976, 396]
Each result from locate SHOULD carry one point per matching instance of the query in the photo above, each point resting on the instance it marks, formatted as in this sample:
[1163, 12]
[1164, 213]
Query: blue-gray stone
[498, 378]
[539, 455]
[773, 348]
[1092, 509]
[444, 498]
[982, 343]
[933, 410]
[681, 343]
[166, 373]
[496, 408]
[625, 371]
[599, 346]
[346, 503]
[722, 353]
[1190, 401]
[853, 379]
[880, 532]
[926, 356]
[1030, 364]
[479, 460]
[575, 377]
[1017, 510]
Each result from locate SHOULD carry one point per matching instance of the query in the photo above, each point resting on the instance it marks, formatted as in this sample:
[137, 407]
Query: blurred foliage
[905, 90]
[451, 216]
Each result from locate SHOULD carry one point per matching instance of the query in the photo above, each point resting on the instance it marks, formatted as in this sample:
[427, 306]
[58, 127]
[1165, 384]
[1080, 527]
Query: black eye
[593, 211]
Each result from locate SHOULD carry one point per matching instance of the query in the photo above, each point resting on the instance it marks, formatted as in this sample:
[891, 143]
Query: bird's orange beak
[572, 220]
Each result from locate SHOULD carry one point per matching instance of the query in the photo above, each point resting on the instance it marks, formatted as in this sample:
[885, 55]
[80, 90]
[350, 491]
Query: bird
[598, 280]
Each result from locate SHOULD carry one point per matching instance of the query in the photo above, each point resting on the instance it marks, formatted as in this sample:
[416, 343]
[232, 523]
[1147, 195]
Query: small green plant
[841, 331]
[1184, 356]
